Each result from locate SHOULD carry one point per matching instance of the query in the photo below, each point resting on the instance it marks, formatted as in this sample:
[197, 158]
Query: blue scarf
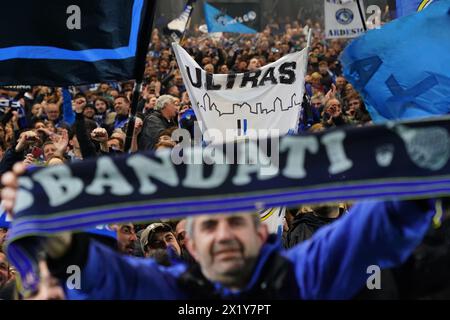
[405, 160]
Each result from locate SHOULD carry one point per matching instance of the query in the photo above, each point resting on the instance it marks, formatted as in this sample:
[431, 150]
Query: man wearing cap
[159, 236]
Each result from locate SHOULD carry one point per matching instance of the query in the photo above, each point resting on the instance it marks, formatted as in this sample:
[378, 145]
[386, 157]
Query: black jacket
[9, 159]
[154, 124]
[303, 227]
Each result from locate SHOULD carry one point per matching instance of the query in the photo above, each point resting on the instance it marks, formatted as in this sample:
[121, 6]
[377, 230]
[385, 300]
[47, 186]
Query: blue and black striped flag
[74, 42]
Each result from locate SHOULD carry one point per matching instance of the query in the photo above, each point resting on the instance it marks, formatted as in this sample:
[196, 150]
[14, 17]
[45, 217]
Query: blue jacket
[331, 265]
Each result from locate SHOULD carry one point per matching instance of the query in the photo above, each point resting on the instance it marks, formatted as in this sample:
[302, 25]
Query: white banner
[237, 105]
[342, 20]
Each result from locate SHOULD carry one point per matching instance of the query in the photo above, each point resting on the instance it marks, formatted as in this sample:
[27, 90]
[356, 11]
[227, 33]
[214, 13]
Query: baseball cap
[151, 230]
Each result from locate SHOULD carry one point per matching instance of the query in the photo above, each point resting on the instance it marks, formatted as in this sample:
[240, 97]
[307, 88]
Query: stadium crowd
[42, 126]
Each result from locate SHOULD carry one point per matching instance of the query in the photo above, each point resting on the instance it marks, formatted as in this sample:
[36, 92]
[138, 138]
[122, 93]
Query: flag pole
[185, 29]
[308, 49]
[141, 60]
[192, 4]
[361, 14]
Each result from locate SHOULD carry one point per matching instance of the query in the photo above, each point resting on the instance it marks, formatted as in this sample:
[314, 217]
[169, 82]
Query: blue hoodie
[331, 265]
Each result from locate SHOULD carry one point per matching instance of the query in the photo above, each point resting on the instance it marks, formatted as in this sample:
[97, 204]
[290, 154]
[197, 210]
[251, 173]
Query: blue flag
[406, 7]
[218, 21]
[402, 70]
[103, 230]
[5, 220]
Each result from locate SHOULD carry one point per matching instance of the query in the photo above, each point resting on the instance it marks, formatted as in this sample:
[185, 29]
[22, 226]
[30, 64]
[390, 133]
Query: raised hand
[60, 142]
[100, 135]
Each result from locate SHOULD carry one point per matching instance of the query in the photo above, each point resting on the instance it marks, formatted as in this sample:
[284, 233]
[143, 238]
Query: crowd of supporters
[42, 126]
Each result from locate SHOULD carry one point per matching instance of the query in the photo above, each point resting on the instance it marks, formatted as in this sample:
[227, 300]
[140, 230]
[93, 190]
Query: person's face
[206, 60]
[178, 80]
[104, 87]
[127, 86]
[2, 133]
[313, 60]
[89, 113]
[242, 65]
[180, 232]
[3, 234]
[226, 246]
[163, 64]
[170, 110]
[35, 109]
[209, 68]
[316, 103]
[334, 108]
[4, 269]
[163, 240]
[315, 81]
[223, 69]
[126, 237]
[340, 82]
[166, 55]
[323, 69]
[167, 140]
[254, 64]
[50, 126]
[173, 91]
[348, 88]
[151, 103]
[49, 151]
[354, 104]
[121, 107]
[100, 106]
[52, 112]
[114, 144]
[39, 125]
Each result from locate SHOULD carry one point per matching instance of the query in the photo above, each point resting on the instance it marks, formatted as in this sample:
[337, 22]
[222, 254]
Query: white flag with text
[233, 105]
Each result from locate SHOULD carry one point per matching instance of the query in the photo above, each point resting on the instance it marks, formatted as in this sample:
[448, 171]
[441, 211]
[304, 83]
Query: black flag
[72, 42]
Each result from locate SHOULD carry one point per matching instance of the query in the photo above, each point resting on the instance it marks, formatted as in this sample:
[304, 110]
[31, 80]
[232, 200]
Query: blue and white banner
[236, 105]
[402, 70]
[232, 17]
[177, 26]
[342, 19]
